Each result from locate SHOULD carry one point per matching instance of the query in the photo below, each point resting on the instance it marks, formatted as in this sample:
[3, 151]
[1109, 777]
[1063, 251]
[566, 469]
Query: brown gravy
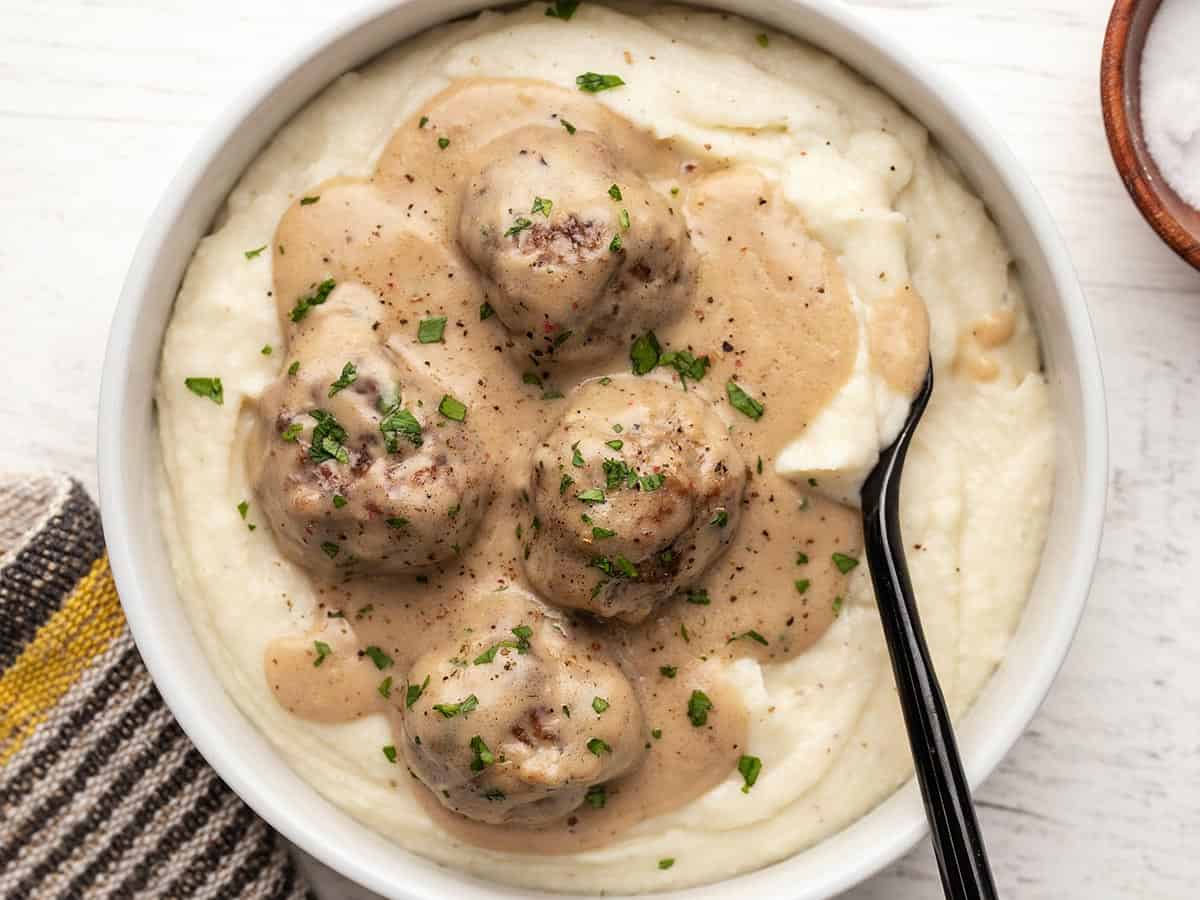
[771, 310]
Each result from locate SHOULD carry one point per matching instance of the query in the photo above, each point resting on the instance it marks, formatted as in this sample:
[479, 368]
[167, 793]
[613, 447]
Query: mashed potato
[893, 211]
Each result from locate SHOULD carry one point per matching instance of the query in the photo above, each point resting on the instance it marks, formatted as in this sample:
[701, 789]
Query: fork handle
[957, 842]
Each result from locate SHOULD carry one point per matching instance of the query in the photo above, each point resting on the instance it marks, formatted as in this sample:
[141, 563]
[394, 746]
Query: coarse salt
[1171, 95]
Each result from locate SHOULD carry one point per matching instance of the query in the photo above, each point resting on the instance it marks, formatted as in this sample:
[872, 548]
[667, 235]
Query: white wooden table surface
[101, 99]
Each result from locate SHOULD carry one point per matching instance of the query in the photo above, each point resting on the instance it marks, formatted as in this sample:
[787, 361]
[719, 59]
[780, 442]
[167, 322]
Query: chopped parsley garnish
[243, 508]
[414, 691]
[600, 534]
[801, 558]
[571, 129]
[656, 733]
[385, 688]
[742, 401]
[323, 650]
[292, 433]
[443, 142]
[266, 350]
[330, 549]
[698, 708]
[305, 304]
[348, 377]
[844, 563]
[683, 633]
[644, 353]
[668, 671]
[762, 42]
[623, 218]
[599, 704]
[685, 363]
[720, 518]
[396, 521]
[494, 795]
[593, 82]
[598, 746]
[429, 331]
[207, 387]
[615, 443]
[541, 205]
[328, 438]
[562, 9]
[596, 796]
[519, 224]
[309, 201]
[652, 482]
[576, 456]
[565, 482]
[486, 311]
[838, 603]
[749, 635]
[666, 863]
[294, 367]
[615, 244]
[452, 408]
[339, 501]
[461, 708]
[591, 495]
[523, 633]
[390, 752]
[255, 253]
[802, 585]
[618, 473]
[482, 754]
[615, 193]
[749, 767]
[698, 596]
[487, 656]
[397, 423]
[381, 659]
[423, 122]
[758, 466]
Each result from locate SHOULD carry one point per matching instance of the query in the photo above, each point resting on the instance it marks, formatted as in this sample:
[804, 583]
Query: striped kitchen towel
[101, 793]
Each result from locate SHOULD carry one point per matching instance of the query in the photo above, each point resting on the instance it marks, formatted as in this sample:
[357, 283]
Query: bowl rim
[1143, 183]
[121, 517]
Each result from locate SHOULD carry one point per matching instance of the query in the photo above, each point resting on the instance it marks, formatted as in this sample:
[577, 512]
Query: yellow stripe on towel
[62, 648]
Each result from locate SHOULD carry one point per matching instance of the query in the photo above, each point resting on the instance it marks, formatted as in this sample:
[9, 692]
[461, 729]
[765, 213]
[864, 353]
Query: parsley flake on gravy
[243, 508]
[802, 585]
[430, 331]
[743, 402]
[328, 439]
[644, 353]
[291, 434]
[571, 129]
[381, 659]
[698, 597]
[838, 603]
[593, 82]
[562, 9]
[339, 501]
[749, 767]
[400, 423]
[666, 863]
[596, 796]
[305, 304]
[389, 751]
[720, 519]
[698, 708]
[452, 408]
[541, 205]
[599, 704]
[591, 495]
[385, 688]
[330, 549]
[762, 40]
[844, 563]
[486, 311]
[615, 193]
[255, 253]
[323, 650]
[461, 708]
[443, 142]
[519, 224]
[668, 671]
[482, 755]
[207, 387]
[751, 635]
[414, 691]
[348, 377]
[309, 201]
[615, 244]
[598, 746]
[294, 367]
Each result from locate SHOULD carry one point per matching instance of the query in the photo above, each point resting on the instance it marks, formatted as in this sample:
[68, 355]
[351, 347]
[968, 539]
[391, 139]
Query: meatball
[354, 466]
[576, 250]
[638, 488]
[520, 721]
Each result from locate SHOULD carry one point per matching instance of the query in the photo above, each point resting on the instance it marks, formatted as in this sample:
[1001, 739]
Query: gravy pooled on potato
[536, 381]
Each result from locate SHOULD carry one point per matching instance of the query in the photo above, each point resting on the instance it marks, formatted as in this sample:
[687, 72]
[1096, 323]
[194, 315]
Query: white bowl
[246, 760]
